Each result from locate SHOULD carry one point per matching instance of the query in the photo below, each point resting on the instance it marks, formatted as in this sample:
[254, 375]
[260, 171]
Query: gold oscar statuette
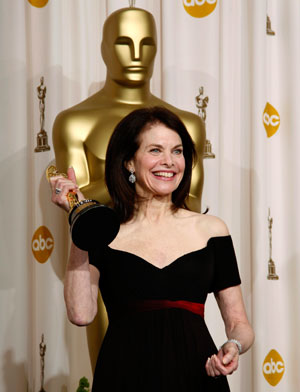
[201, 104]
[269, 27]
[42, 137]
[271, 265]
[81, 133]
[90, 222]
[42, 359]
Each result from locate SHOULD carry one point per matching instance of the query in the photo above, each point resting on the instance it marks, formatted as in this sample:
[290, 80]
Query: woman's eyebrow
[161, 146]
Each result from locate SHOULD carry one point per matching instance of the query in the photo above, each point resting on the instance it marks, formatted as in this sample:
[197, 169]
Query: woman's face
[159, 162]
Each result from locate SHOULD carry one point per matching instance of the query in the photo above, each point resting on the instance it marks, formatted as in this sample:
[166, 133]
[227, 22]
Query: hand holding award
[91, 223]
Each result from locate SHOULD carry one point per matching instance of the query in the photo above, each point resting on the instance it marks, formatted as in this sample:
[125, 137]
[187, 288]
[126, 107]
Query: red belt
[148, 305]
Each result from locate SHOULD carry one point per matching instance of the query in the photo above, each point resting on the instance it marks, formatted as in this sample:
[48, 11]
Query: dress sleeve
[226, 273]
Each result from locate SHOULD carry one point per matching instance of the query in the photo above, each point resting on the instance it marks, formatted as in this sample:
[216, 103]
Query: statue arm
[69, 135]
[196, 128]
[69, 148]
[195, 195]
[97, 190]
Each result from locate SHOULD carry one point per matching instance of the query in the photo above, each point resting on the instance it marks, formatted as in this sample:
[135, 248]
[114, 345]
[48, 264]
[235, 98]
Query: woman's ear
[129, 166]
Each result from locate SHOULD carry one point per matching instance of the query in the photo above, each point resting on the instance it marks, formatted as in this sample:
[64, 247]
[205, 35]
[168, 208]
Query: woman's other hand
[225, 362]
[61, 186]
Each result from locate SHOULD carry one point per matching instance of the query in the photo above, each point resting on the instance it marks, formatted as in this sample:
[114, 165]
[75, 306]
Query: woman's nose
[168, 159]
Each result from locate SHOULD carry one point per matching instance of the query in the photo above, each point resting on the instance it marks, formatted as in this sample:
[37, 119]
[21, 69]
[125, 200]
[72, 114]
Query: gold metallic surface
[81, 133]
[52, 171]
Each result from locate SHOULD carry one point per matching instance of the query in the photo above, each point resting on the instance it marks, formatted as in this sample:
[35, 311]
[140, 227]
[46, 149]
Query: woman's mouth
[164, 174]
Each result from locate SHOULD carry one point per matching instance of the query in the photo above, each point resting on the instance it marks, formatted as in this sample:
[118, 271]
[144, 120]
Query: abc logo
[271, 119]
[38, 3]
[199, 8]
[273, 368]
[42, 244]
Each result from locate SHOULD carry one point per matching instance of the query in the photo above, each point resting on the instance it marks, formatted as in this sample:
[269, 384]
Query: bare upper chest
[162, 246]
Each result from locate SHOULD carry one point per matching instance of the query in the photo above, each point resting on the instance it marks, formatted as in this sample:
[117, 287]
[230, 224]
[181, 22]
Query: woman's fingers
[61, 186]
[215, 365]
[208, 368]
[71, 175]
[212, 368]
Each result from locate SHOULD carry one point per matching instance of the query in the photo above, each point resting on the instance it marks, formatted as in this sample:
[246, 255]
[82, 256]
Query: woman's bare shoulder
[212, 225]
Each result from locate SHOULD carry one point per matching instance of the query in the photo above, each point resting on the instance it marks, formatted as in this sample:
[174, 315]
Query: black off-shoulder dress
[157, 339]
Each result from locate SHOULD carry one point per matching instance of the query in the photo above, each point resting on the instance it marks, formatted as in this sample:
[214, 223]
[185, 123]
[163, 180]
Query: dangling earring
[132, 177]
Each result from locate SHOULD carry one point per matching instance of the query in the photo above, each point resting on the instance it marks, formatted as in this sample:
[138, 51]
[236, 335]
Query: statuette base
[92, 223]
[42, 142]
[272, 271]
[208, 154]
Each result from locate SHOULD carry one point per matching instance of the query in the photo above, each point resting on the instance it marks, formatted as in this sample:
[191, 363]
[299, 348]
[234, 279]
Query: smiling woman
[159, 162]
[155, 144]
[156, 274]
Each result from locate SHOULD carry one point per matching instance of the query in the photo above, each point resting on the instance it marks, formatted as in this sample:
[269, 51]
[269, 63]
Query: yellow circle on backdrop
[273, 368]
[38, 3]
[42, 244]
[271, 119]
[199, 8]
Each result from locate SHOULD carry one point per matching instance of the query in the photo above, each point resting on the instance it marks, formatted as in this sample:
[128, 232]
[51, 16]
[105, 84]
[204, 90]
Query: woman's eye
[155, 150]
[178, 151]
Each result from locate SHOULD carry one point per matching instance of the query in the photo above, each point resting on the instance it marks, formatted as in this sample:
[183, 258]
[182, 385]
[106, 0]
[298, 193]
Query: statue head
[129, 46]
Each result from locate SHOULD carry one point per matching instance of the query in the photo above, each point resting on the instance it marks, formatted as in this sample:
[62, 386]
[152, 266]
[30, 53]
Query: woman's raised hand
[61, 186]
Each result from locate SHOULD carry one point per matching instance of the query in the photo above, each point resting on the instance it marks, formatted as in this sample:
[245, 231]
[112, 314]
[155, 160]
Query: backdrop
[249, 70]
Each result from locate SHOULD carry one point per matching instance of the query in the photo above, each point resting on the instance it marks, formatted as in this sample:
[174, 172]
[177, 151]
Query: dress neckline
[173, 261]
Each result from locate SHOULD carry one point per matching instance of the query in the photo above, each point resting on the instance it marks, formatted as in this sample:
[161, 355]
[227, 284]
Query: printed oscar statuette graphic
[91, 223]
[269, 27]
[271, 265]
[42, 358]
[201, 104]
[42, 137]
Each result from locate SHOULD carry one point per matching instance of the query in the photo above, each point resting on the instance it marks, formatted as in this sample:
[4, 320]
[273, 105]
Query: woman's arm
[81, 278]
[81, 288]
[237, 327]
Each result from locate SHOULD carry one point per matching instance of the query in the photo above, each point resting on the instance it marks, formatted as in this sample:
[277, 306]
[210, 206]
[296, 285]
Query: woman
[157, 272]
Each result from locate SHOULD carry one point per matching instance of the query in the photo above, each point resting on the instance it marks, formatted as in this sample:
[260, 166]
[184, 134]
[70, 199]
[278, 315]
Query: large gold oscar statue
[81, 133]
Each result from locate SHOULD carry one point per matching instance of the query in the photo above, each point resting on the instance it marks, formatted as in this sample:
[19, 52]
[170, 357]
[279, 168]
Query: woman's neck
[154, 209]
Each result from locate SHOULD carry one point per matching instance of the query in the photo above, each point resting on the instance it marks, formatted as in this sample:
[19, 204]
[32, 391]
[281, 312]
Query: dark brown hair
[122, 147]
